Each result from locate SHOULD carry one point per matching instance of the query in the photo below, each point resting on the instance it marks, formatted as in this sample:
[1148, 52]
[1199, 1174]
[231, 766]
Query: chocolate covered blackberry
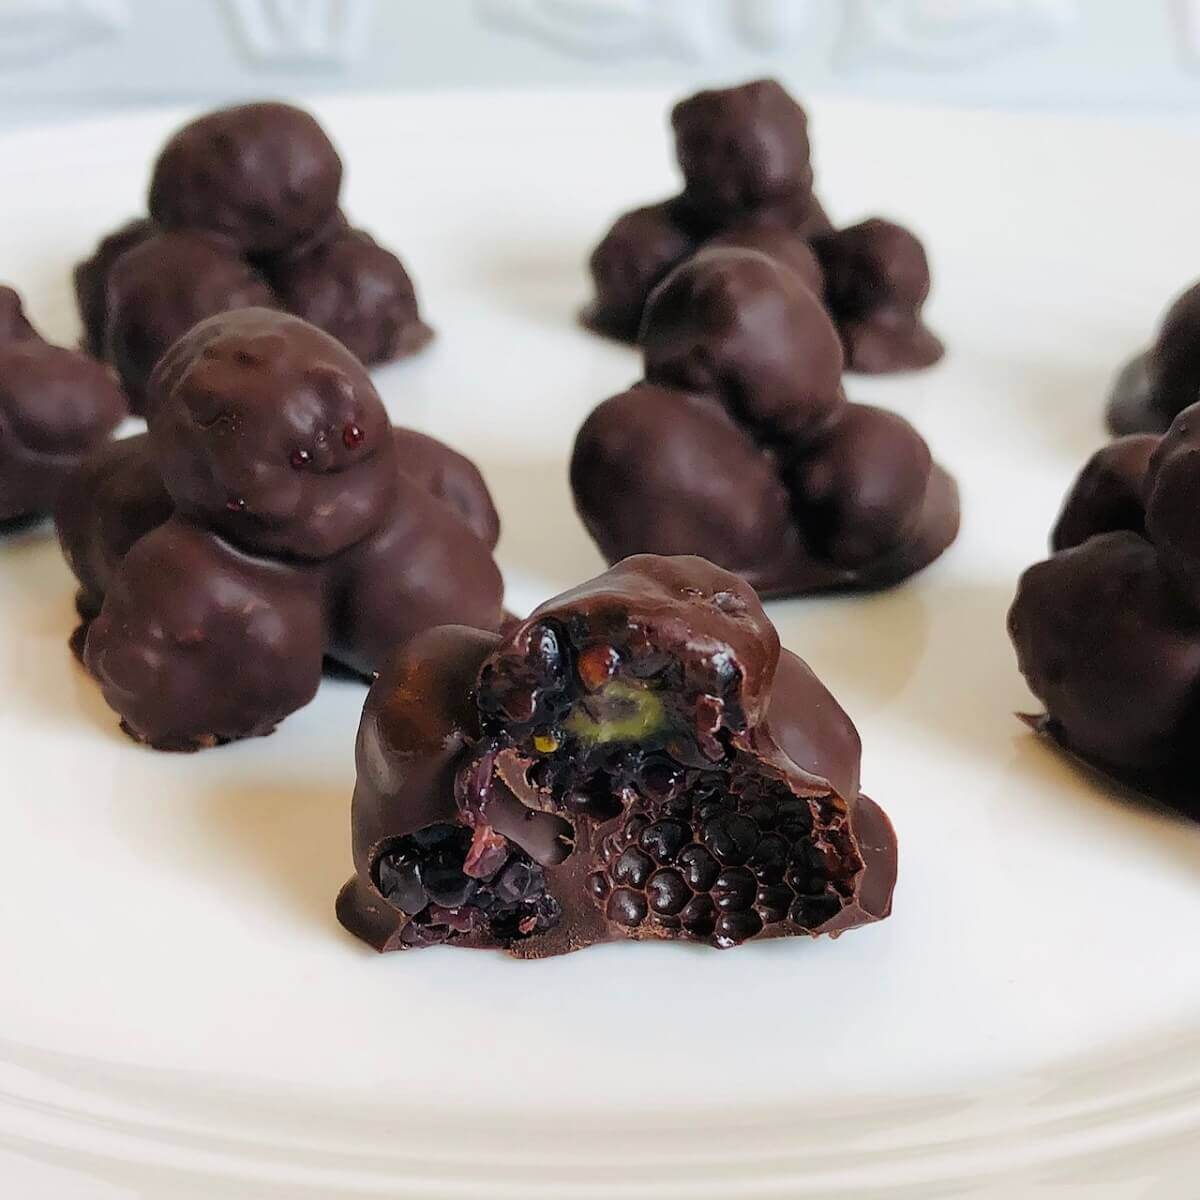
[353, 288]
[748, 183]
[91, 279]
[162, 286]
[876, 283]
[640, 250]
[743, 152]
[264, 176]
[1107, 630]
[55, 406]
[270, 520]
[244, 213]
[1155, 386]
[739, 445]
[636, 760]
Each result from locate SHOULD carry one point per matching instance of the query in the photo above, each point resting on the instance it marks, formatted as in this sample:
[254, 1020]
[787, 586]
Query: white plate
[182, 1016]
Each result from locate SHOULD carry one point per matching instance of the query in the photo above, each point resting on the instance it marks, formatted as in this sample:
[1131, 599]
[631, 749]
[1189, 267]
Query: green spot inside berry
[619, 712]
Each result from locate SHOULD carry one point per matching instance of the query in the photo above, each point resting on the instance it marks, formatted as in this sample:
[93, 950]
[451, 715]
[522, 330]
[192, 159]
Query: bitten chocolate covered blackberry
[748, 180]
[243, 212]
[56, 405]
[638, 759]
[1107, 630]
[739, 444]
[271, 519]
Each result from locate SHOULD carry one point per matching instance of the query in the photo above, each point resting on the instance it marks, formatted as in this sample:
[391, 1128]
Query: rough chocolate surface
[270, 519]
[55, 406]
[244, 213]
[740, 445]
[636, 760]
[1154, 387]
[748, 182]
[1107, 630]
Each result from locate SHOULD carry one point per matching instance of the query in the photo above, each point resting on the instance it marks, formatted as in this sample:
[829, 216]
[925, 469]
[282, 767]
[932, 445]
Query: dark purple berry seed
[400, 882]
[667, 892]
[664, 839]
[659, 780]
[699, 867]
[446, 884]
[439, 835]
[773, 901]
[770, 858]
[635, 825]
[734, 889]
[731, 837]
[794, 817]
[633, 867]
[516, 882]
[598, 886]
[626, 907]
[733, 928]
[761, 813]
[811, 912]
[699, 916]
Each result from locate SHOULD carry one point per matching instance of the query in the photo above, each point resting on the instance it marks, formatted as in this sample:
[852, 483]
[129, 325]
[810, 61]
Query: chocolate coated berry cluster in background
[55, 406]
[1107, 630]
[270, 520]
[1154, 387]
[740, 445]
[243, 212]
[748, 180]
[637, 759]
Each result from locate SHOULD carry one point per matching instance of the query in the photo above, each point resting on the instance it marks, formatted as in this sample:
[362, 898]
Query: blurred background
[61, 58]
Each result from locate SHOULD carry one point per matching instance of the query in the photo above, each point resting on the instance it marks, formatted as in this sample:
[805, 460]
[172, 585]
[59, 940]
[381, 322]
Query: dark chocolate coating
[14, 324]
[786, 246]
[739, 324]
[1105, 643]
[55, 406]
[876, 283]
[353, 288]
[1154, 387]
[265, 176]
[463, 786]
[269, 520]
[244, 200]
[748, 183]
[743, 150]
[740, 444]
[162, 286]
[1107, 630]
[639, 251]
[91, 279]
[1109, 494]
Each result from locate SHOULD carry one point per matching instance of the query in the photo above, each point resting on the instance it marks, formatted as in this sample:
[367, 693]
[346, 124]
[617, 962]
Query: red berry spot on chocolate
[300, 459]
[352, 437]
[596, 666]
[235, 504]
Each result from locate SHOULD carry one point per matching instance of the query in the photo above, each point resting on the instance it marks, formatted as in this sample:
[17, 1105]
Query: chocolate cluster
[1107, 630]
[739, 443]
[243, 212]
[270, 520]
[748, 180]
[1154, 387]
[638, 759]
[55, 406]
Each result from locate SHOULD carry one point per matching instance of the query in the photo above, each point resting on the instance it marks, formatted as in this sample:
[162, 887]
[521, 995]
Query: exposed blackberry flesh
[422, 874]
